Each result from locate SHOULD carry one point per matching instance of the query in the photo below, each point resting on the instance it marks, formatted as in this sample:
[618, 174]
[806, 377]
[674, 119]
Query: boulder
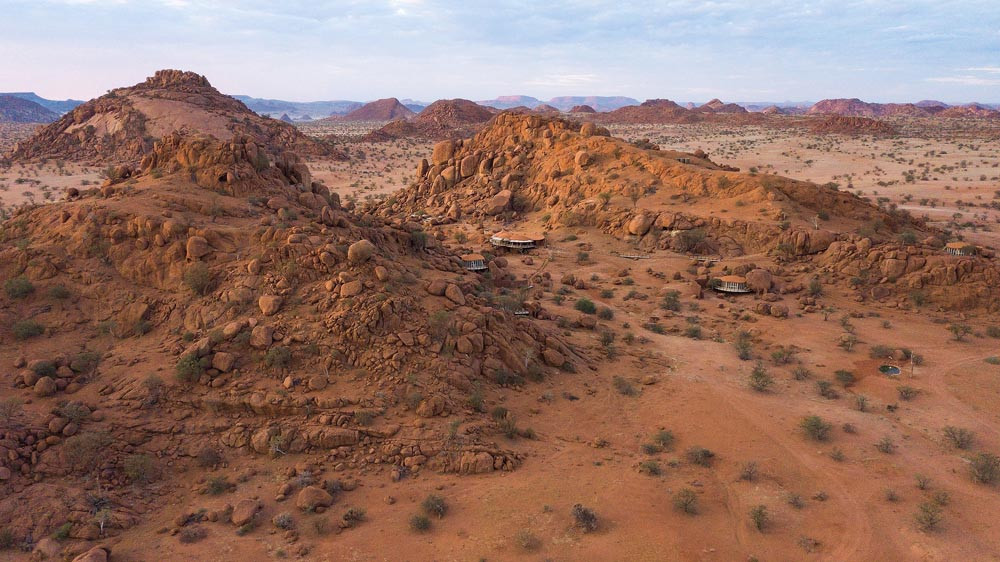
[96, 554]
[245, 511]
[553, 358]
[45, 386]
[443, 151]
[197, 246]
[351, 288]
[360, 251]
[468, 166]
[431, 406]
[454, 294]
[498, 203]
[261, 337]
[582, 158]
[639, 225]
[270, 304]
[223, 361]
[311, 497]
[437, 287]
[759, 280]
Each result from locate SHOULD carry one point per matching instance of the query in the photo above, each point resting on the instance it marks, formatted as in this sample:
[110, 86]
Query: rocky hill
[121, 126]
[389, 109]
[718, 106]
[17, 110]
[582, 109]
[442, 119]
[856, 108]
[652, 111]
[210, 308]
[578, 175]
[844, 125]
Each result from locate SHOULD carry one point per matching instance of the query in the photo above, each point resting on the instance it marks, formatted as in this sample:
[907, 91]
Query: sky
[685, 50]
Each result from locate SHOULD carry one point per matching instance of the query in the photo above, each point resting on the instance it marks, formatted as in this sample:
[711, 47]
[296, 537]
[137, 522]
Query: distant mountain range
[562, 103]
[57, 106]
[310, 110]
[19, 110]
[299, 110]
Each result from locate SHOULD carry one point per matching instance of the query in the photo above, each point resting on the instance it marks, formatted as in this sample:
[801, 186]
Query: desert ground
[684, 431]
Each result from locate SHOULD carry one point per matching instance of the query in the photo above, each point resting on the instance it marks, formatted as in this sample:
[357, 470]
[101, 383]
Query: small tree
[686, 501]
[959, 331]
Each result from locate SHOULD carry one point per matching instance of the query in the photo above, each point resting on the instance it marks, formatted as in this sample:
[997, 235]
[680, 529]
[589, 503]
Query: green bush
[760, 379]
[59, 292]
[7, 539]
[760, 517]
[18, 287]
[985, 468]
[278, 357]
[26, 329]
[585, 306]
[188, 369]
[139, 468]
[434, 505]
[845, 378]
[928, 516]
[420, 523]
[686, 501]
[199, 278]
[959, 437]
[62, 532]
[700, 456]
[815, 428]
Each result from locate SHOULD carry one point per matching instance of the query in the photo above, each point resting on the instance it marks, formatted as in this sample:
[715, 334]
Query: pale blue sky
[429, 49]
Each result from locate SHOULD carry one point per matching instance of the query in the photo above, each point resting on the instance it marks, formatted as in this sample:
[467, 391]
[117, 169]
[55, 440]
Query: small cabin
[474, 262]
[732, 284]
[684, 160]
[960, 249]
[516, 240]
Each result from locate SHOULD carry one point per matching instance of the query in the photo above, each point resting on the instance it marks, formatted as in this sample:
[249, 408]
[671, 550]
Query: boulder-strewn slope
[215, 301]
[122, 125]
